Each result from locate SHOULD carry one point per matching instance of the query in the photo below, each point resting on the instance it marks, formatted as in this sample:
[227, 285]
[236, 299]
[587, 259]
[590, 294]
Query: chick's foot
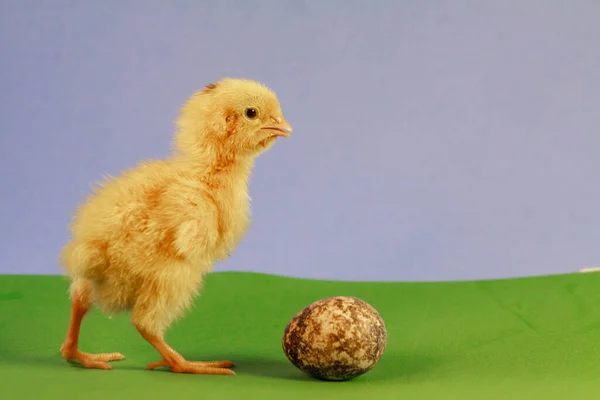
[95, 361]
[176, 363]
[195, 367]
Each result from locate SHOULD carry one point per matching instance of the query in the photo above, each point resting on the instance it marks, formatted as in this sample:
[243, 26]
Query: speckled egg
[335, 339]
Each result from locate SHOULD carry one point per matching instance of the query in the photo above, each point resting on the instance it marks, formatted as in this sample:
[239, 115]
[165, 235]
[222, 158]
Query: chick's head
[238, 116]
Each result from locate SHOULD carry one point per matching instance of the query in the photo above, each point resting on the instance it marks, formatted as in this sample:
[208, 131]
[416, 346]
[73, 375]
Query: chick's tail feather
[84, 260]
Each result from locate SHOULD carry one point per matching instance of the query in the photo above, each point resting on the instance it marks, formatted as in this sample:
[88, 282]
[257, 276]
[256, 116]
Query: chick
[143, 241]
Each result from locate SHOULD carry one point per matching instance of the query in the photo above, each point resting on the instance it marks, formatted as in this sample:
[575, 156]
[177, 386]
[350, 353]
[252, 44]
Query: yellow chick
[143, 241]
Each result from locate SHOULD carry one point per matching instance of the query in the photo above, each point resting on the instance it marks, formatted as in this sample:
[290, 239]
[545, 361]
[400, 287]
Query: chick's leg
[158, 304]
[176, 363]
[70, 347]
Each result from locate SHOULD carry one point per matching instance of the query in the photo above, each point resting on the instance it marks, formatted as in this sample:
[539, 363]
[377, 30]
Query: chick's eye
[251, 113]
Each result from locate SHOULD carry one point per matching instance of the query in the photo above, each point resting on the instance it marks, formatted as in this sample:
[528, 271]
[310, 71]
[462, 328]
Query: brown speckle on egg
[336, 339]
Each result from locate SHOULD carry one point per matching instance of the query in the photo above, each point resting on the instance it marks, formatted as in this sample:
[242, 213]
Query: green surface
[533, 338]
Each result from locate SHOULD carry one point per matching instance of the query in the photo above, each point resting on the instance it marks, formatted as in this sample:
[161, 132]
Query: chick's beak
[280, 127]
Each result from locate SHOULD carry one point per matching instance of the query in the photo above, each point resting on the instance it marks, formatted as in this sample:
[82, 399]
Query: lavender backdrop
[433, 140]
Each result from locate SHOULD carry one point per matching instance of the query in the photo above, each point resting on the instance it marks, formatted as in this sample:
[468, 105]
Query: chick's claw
[94, 361]
[195, 367]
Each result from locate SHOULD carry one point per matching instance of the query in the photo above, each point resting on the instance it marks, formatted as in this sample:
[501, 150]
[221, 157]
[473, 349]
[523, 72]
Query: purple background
[433, 140]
